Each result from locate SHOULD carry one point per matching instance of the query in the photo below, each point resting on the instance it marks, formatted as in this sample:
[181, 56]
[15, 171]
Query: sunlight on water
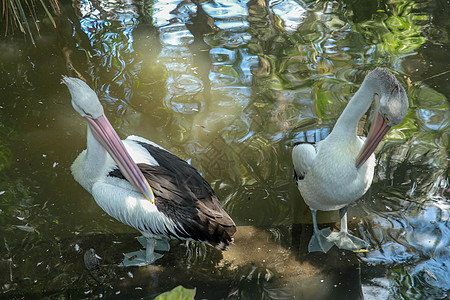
[229, 86]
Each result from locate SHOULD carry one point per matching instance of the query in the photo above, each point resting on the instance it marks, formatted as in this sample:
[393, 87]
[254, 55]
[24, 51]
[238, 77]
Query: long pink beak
[376, 133]
[108, 138]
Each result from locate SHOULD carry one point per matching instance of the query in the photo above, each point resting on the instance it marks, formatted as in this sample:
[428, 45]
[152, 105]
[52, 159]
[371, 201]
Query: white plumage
[144, 186]
[339, 170]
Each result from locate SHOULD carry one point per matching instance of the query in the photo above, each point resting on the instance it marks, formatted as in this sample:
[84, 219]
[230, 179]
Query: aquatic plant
[24, 15]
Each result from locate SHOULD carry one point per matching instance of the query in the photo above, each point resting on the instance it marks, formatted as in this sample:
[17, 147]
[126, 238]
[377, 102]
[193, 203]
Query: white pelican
[339, 169]
[144, 186]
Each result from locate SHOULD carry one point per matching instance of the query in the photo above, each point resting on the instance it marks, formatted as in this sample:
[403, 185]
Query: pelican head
[393, 104]
[84, 99]
[390, 110]
[86, 103]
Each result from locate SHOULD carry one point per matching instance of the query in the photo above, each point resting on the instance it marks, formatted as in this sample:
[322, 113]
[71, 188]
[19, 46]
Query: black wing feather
[184, 196]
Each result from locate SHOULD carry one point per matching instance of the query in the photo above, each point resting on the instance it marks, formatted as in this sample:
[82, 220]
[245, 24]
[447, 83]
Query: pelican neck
[347, 124]
[96, 156]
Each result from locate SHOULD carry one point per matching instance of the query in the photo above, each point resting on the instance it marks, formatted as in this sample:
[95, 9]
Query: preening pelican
[144, 186]
[338, 170]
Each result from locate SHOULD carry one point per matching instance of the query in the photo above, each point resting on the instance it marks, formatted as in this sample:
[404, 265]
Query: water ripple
[225, 9]
[291, 12]
[230, 85]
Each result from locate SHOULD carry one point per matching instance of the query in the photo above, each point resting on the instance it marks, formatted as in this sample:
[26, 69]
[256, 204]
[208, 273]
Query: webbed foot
[139, 258]
[320, 241]
[344, 240]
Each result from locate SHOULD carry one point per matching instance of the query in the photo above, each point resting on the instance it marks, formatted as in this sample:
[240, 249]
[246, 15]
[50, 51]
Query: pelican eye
[386, 117]
[86, 113]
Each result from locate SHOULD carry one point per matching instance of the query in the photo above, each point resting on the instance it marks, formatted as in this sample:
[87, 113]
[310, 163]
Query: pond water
[230, 86]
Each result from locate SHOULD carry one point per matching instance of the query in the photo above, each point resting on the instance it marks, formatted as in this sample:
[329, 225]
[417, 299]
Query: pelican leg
[344, 240]
[161, 243]
[150, 254]
[319, 241]
[141, 257]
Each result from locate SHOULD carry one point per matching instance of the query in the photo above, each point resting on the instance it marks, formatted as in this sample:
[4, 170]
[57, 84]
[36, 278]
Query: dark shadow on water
[259, 265]
[62, 268]
[340, 270]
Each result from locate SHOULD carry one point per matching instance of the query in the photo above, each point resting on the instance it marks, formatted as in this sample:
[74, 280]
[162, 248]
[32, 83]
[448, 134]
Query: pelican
[338, 170]
[144, 186]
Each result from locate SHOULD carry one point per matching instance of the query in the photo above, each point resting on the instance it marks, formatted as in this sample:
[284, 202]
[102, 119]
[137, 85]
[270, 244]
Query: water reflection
[229, 85]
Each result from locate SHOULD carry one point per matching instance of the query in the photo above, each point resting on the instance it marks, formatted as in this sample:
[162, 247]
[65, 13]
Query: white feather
[131, 207]
[138, 153]
[302, 157]
[331, 180]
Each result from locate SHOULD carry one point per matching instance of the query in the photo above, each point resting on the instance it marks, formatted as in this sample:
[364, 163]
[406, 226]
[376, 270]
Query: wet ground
[229, 86]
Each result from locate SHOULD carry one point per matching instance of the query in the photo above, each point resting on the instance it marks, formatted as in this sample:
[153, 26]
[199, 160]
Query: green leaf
[24, 19]
[48, 14]
[178, 293]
